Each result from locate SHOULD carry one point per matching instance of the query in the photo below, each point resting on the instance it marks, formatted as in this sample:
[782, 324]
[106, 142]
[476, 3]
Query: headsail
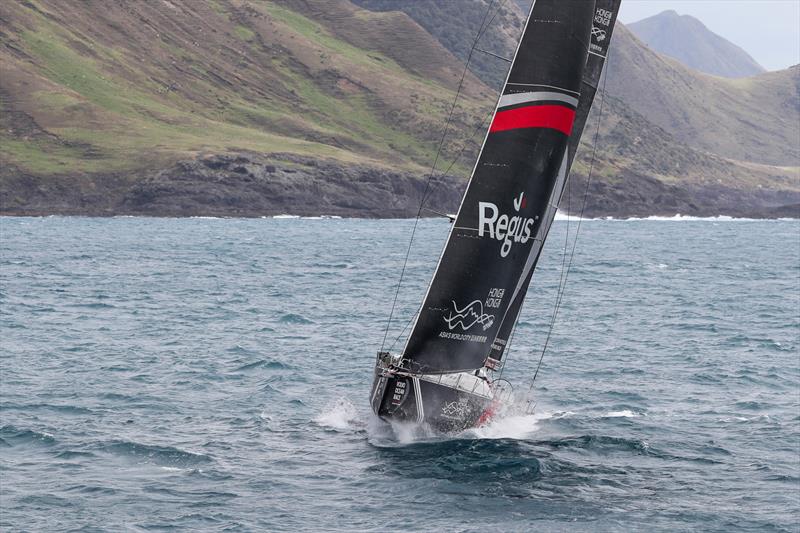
[602, 28]
[504, 216]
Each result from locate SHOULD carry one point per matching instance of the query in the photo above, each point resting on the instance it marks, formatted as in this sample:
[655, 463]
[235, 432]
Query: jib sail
[496, 237]
[602, 28]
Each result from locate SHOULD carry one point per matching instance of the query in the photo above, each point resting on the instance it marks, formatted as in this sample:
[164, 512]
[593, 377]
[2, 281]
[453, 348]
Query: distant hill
[752, 119]
[234, 107]
[96, 100]
[686, 39]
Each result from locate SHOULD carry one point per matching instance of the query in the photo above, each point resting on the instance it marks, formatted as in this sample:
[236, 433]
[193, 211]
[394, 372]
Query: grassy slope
[133, 86]
[455, 25]
[93, 89]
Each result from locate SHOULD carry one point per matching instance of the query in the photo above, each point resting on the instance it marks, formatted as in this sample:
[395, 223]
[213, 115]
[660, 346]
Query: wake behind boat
[444, 377]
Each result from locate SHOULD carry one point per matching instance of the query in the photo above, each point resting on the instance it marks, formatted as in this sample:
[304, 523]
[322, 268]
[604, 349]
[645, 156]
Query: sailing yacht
[445, 375]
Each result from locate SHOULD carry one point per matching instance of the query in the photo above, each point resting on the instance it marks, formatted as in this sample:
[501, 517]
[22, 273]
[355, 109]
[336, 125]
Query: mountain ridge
[688, 40]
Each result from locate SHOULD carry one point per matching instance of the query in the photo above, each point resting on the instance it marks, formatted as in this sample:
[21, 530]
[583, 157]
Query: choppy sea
[213, 374]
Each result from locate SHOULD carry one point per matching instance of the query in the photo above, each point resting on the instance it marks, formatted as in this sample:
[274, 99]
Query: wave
[38, 501]
[688, 218]
[340, 414]
[624, 413]
[563, 217]
[511, 425]
[73, 454]
[296, 217]
[14, 436]
[263, 363]
[292, 318]
[63, 409]
[603, 443]
[159, 455]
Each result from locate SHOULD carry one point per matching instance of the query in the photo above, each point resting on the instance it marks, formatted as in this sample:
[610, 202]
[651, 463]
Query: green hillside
[134, 86]
[245, 107]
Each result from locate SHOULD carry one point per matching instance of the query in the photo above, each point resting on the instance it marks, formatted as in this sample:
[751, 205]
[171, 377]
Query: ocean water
[213, 374]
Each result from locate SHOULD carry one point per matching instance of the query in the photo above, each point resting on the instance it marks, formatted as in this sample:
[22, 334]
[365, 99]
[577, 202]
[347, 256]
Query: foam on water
[561, 217]
[509, 426]
[340, 414]
[625, 413]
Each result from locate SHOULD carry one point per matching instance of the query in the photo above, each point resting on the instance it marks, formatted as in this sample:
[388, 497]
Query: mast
[602, 29]
[507, 208]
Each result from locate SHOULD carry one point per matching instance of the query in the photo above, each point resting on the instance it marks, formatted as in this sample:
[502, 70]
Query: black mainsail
[602, 28]
[510, 201]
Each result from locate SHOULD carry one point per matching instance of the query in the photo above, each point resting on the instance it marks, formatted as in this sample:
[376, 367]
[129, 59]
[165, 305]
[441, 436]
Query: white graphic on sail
[468, 316]
[457, 409]
[599, 34]
[504, 228]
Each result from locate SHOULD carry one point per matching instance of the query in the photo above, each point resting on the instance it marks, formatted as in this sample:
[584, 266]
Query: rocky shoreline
[254, 185]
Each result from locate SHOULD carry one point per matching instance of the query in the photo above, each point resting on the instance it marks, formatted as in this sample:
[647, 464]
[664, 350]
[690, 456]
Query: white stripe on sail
[576, 93]
[538, 96]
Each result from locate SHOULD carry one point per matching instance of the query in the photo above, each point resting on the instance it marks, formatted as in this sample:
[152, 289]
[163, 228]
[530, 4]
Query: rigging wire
[565, 275]
[481, 126]
[481, 30]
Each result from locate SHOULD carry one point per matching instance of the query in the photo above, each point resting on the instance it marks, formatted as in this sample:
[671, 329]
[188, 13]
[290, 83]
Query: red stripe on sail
[555, 117]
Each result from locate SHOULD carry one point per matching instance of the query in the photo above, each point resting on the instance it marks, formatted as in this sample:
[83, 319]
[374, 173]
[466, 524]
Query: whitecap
[560, 217]
[512, 424]
[686, 218]
[625, 413]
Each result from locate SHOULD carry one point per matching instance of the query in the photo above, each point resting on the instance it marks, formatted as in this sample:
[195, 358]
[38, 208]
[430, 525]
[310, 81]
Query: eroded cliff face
[250, 185]
[245, 185]
[256, 185]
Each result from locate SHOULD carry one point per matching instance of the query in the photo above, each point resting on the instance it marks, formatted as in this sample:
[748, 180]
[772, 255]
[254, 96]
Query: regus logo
[504, 228]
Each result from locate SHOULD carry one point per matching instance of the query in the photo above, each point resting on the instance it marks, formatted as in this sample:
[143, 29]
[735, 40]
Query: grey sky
[768, 30]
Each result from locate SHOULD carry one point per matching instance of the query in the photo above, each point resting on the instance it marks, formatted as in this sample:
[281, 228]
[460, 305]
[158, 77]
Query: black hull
[424, 401]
